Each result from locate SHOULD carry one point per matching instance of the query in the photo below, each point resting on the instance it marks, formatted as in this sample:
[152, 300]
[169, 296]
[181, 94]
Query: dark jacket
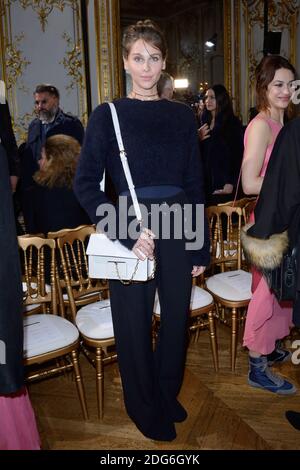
[55, 209]
[277, 213]
[11, 324]
[222, 154]
[31, 152]
[8, 140]
[63, 124]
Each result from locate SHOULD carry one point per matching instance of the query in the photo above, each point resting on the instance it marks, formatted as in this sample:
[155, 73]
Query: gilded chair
[231, 287]
[47, 335]
[238, 202]
[248, 208]
[201, 315]
[93, 320]
[94, 289]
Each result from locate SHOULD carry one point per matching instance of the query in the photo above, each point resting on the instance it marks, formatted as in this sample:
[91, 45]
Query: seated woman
[54, 203]
[221, 137]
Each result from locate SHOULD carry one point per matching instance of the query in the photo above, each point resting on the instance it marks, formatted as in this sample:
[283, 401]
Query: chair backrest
[74, 261]
[238, 202]
[225, 224]
[64, 231]
[38, 264]
[248, 208]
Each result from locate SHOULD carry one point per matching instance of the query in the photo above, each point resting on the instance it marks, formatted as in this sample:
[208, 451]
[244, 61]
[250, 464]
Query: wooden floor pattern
[223, 411]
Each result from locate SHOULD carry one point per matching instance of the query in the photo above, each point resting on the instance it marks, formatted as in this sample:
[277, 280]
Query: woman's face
[144, 63]
[281, 89]
[210, 100]
[168, 90]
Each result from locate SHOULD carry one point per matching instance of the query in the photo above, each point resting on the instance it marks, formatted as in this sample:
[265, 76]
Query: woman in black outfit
[18, 428]
[221, 137]
[54, 204]
[277, 215]
[165, 166]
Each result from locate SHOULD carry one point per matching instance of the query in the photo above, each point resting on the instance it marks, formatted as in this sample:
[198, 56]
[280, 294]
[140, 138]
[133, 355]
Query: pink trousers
[266, 320]
[18, 430]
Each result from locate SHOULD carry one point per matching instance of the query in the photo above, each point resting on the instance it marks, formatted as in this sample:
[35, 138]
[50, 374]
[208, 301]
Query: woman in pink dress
[267, 321]
[17, 422]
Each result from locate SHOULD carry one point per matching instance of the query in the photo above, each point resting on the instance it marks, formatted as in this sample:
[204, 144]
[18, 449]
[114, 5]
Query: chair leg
[99, 381]
[234, 331]
[79, 384]
[213, 339]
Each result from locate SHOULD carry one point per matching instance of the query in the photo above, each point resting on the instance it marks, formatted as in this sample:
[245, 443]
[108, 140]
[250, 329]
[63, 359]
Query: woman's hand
[197, 270]
[144, 246]
[228, 188]
[203, 132]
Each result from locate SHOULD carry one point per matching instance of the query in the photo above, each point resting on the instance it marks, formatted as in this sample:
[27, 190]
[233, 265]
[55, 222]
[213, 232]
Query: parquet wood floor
[223, 411]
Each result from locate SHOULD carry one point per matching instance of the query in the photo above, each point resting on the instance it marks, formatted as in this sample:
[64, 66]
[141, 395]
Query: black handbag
[283, 279]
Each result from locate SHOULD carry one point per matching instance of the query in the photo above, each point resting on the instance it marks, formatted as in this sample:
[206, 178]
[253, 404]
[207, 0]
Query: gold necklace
[134, 95]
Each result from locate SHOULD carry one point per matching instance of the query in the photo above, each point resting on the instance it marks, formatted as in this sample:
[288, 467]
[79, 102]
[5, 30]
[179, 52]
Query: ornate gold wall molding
[282, 16]
[237, 56]
[227, 45]
[73, 63]
[14, 63]
[107, 28]
[43, 8]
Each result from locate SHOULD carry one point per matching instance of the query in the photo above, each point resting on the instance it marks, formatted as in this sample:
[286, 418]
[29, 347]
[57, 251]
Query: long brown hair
[62, 152]
[265, 73]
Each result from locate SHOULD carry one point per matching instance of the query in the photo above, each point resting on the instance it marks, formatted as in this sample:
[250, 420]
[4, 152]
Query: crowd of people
[174, 158]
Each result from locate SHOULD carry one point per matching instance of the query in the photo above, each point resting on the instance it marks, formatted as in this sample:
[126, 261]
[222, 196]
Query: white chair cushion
[199, 298]
[95, 320]
[28, 308]
[231, 285]
[45, 333]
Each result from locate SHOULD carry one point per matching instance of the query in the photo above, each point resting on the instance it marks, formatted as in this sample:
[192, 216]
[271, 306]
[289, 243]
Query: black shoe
[163, 432]
[279, 355]
[293, 418]
[177, 412]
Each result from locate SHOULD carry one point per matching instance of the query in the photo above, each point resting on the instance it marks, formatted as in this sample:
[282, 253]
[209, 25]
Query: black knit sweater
[161, 143]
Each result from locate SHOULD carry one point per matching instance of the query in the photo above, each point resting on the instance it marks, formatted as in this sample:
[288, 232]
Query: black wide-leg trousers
[152, 379]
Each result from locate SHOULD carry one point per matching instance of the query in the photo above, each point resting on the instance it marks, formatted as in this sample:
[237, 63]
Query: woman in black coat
[54, 204]
[277, 214]
[221, 142]
[18, 429]
[8, 141]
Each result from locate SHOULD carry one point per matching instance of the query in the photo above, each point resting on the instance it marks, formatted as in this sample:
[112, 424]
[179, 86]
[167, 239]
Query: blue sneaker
[278, 355]
[261, 376]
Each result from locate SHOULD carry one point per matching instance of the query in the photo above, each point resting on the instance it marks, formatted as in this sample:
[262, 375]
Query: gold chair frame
[34, 275]
[227, 255]
[78, 297]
